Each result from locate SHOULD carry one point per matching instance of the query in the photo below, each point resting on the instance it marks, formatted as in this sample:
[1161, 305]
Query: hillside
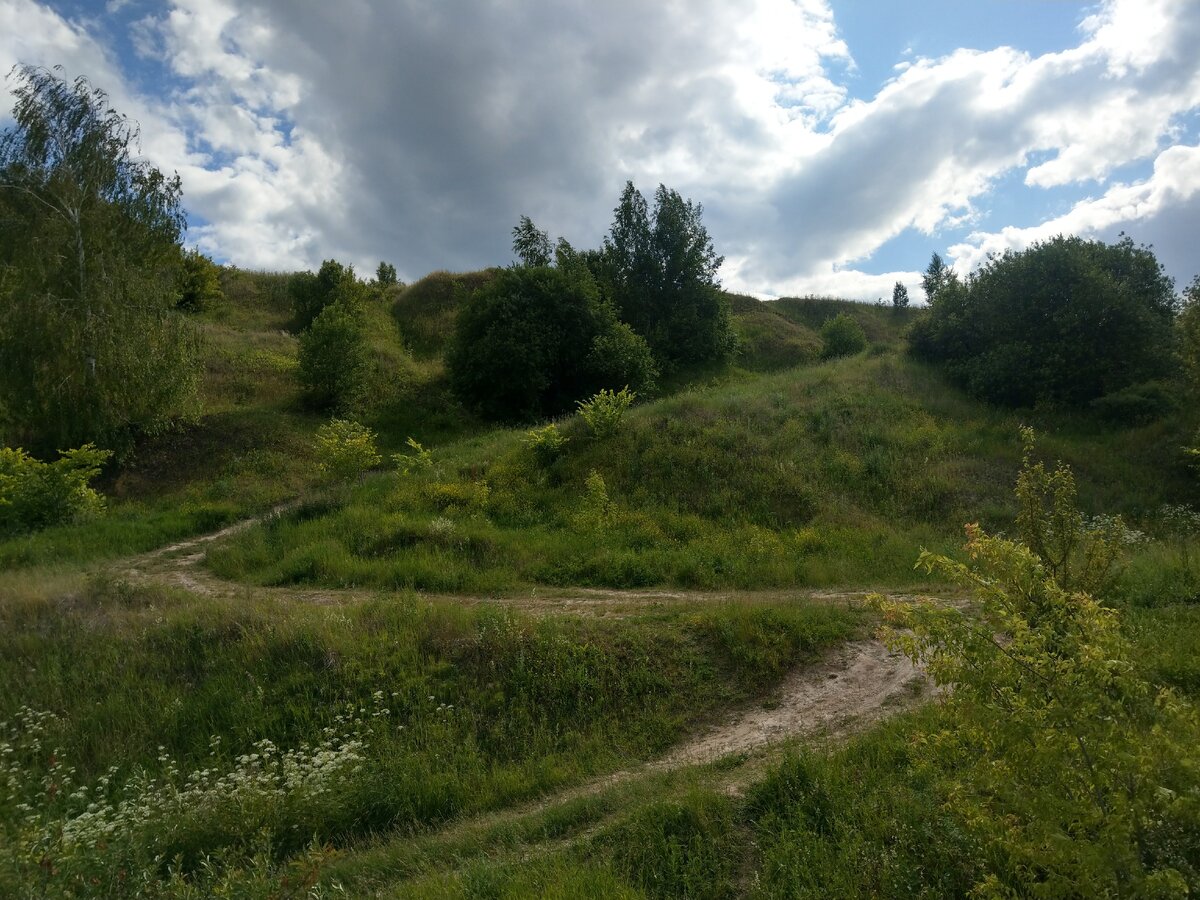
[641, 667]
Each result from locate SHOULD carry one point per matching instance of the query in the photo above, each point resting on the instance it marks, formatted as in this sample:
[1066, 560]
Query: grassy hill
[387, 699]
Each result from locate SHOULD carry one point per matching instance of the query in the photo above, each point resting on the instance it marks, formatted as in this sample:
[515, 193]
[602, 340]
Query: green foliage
[1189, 336]
[385, 275]
[842, 336]
[91, 346]
[311, 294]
[1077, 774]
[619, 355]
[199, 282]
[333, 359]
[660, 270]
[937, 276]
[1078, 553]
[524, 345]
[604, 411]
[345, 450]
[899, 296]
[420, 460]
[545, 443]
[1138, 404]
[530, 244]
[36, 495]
[1065, 321]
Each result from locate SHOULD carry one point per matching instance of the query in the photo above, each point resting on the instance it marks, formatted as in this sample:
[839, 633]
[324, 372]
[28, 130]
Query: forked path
[849, 688]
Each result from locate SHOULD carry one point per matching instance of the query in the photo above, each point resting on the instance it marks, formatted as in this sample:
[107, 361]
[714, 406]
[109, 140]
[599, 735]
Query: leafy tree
[530, 244]
[91, 346]
[1065, 321]
[899, 296]
[333, 361]
[842, 335]
[311, 293]
[660, 270]
[1078, 775]
[1189, 334]
[530, 343]
[385, 274]
[937, 276]
[199, 282]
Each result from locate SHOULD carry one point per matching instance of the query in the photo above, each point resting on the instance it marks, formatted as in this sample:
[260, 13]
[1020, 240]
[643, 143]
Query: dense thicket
[91, 345]
[535, 340]
[311, 293]
[1066, 321]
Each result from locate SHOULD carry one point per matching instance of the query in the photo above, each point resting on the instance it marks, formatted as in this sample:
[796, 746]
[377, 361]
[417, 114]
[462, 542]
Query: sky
[834, 144]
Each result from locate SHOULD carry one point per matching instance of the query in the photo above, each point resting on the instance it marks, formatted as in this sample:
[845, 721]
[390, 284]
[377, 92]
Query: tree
[333, 358]
[1189, 334]
[899, 296]
[91, 345]
[385, 274]
[1065, 321]
[937, 275]
[660, 271]
[533, 341]
[530, 244]
[311, 293]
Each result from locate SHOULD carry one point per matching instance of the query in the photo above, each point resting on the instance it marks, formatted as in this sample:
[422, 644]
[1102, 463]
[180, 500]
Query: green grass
[455, 711]
[833, 474]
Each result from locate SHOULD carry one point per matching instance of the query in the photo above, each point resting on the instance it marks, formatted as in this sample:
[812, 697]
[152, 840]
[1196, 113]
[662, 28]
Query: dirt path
[854, 685]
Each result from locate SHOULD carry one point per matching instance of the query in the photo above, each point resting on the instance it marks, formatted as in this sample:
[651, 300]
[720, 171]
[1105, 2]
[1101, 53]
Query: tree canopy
[535, 340]
[1066, 321]
[91, 345]
[660, 270]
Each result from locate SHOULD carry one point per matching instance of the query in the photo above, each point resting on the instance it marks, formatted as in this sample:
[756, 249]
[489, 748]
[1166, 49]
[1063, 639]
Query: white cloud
[419, 132]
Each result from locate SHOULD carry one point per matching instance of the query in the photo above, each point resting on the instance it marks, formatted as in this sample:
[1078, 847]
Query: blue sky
[834, 145]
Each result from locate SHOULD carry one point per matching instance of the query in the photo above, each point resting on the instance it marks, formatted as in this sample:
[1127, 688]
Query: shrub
[1065, 321]
[345, 450]
[35, 494]
[333, 359]
[595, 507]
[842, 336]
[1077, 773]
[420, 460]
[1138, 403]
[604, 411]
[545, 443]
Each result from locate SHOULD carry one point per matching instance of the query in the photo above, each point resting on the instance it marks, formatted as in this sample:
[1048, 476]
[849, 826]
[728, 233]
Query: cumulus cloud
[419, 132]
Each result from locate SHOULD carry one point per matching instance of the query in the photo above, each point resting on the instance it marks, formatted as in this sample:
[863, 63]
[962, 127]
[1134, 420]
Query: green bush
[604, 411]
[545, 443]
[333, 359]
[530, 342]
[1065, 321]
[1075, 772]
[1138, 403]
[842, 336]
[36, 495]
[199, 282]
[345, 450]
